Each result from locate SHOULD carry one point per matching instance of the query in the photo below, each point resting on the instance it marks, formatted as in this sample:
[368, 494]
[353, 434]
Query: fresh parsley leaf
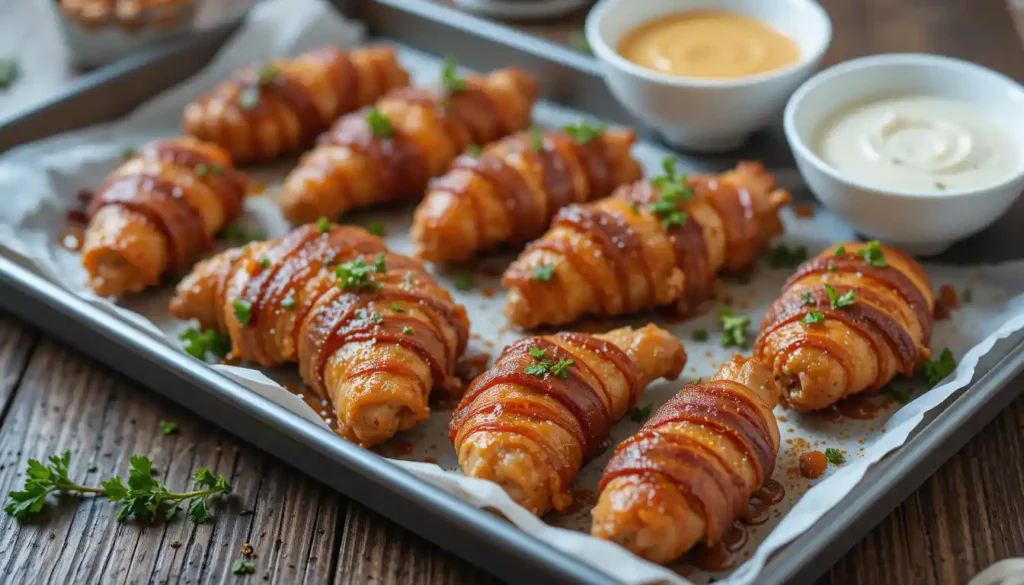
[640, 413]
[268, 73]
[128, 153]
[839, 251]
[537, 353]
[288, 302]
[265, 262]
[376, 228]
[395, 307]
[543, 272]
[939, 369]
[700, 335]
[450, 80]
[474, 150]
[584, 132]
[243, 311]
[407, 330]
[201, 170]
[536, 139]
[538, 369]
[813, 317]
[243, 567]
[835, 456]
[559, 368]
[355, 275]
[198, 344]
[323, 225]
[376, 317]
[168, 427]
[672, 189]
[197, 511]
[806, 298]
[733, 327]
[9, 72]
[379, 124]
[696, 381]
[874, 255]
[784, 256]
[847, 299]
[379, 266]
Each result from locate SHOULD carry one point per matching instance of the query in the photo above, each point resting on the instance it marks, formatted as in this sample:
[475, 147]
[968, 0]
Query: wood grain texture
[970, 514]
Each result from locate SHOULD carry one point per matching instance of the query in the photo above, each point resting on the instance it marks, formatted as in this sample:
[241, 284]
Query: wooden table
[966, 517]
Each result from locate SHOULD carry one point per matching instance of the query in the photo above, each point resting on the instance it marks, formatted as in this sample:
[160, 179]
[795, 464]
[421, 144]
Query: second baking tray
[477, 536]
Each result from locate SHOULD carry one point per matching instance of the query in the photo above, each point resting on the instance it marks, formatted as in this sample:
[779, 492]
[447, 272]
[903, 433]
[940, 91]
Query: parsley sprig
[939, 369]
[672, 189]
[542, 366]
[250, 96]
[379, 123]
[835, 456]
[734, 327]
[785, 257]
[847, 299]
[584, 132]
[873, 254]
[543, 272]
[357, 274]
[142, 497]
[641, 413]
[198, 344]
[450, 80]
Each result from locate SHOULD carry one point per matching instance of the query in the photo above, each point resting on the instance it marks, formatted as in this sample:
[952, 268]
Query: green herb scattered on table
[783, 256]
[733, 327]
[168, 427]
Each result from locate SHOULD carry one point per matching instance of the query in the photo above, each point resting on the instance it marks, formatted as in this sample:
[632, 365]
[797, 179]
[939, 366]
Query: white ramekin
[920, 223]
[706, 115]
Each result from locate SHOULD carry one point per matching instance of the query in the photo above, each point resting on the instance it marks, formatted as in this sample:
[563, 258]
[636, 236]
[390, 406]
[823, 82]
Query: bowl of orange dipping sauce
[707, 73]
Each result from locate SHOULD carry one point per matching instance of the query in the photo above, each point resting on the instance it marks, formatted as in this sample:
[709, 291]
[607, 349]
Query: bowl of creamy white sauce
[916, 150]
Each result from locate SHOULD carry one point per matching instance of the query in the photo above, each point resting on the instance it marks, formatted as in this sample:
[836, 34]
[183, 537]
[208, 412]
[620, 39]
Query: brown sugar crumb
[247, 549]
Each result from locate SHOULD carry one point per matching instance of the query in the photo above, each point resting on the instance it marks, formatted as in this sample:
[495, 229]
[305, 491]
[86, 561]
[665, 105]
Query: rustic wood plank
[68, 402]
[16, 345]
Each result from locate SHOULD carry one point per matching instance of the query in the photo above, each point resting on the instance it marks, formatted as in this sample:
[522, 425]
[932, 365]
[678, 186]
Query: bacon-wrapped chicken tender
[688, 473]
[391, 151]
[512, 189]
[529, 422]
[372, 331]
[847, 322]
[278, 108]
[652, 243]
[157, 213]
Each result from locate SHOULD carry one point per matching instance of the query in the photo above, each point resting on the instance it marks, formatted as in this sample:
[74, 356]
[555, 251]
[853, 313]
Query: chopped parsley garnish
[237, 234]
[378, 263]
[700, 335]
[463, 281]
[543, 272]
[542, 366]
[8, 72]
[578, 41]
[289, 301]
[450, 80]
[407, 330]
[784, 256]
[198, 344]
[379, 123]
[537, 353]
[243, 567]
[243, 311]
[641, 413]
[536, 139]
[355, 275]
[839, 251]
[560, 366]
[842, 301]
[376, 317]
[128, 153]
[376, 228]
[268, 73]
[873, 254]
[395, 307]
[474, 150]
[806, 298]
[835, 456]
[733, 327]
[202, 170]
[696, 381]
[250, 96]
[584, 132]
[323, 225]
[831, 268]
[168, 427]
[265, 262]
[672, 188]
[939, 369]
[813, 317]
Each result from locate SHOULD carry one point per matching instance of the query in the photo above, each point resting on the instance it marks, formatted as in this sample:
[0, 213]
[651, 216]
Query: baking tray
[479, 537]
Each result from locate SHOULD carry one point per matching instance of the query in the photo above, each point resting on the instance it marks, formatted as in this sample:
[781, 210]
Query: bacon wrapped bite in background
[652, 243]
[847, 322]
[510, 191]
[529, 422]
[278, 108]
[157, 213]
[371, 331]
[389, 152]
[689, 472]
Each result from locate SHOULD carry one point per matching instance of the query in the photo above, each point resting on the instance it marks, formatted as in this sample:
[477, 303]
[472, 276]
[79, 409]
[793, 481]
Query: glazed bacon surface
[847, 322]
[690, 470]
[158, 212]
[529, 422]
[390, 152]
[371, 331]
[277, 108]
[509, 192]
[637, 250]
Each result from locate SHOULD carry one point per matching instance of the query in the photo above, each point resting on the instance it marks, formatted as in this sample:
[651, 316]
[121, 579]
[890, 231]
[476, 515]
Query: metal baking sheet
[480, 538]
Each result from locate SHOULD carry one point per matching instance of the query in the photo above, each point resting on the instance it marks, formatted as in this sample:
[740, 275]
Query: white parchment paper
[38, 182]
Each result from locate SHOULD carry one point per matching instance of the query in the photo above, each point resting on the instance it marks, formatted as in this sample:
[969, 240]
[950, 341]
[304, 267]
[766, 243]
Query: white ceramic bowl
[706, 115]
[919, 223]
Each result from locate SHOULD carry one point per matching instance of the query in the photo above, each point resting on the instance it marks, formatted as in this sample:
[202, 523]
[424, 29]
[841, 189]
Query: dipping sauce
[918, 144]
[709, 44]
